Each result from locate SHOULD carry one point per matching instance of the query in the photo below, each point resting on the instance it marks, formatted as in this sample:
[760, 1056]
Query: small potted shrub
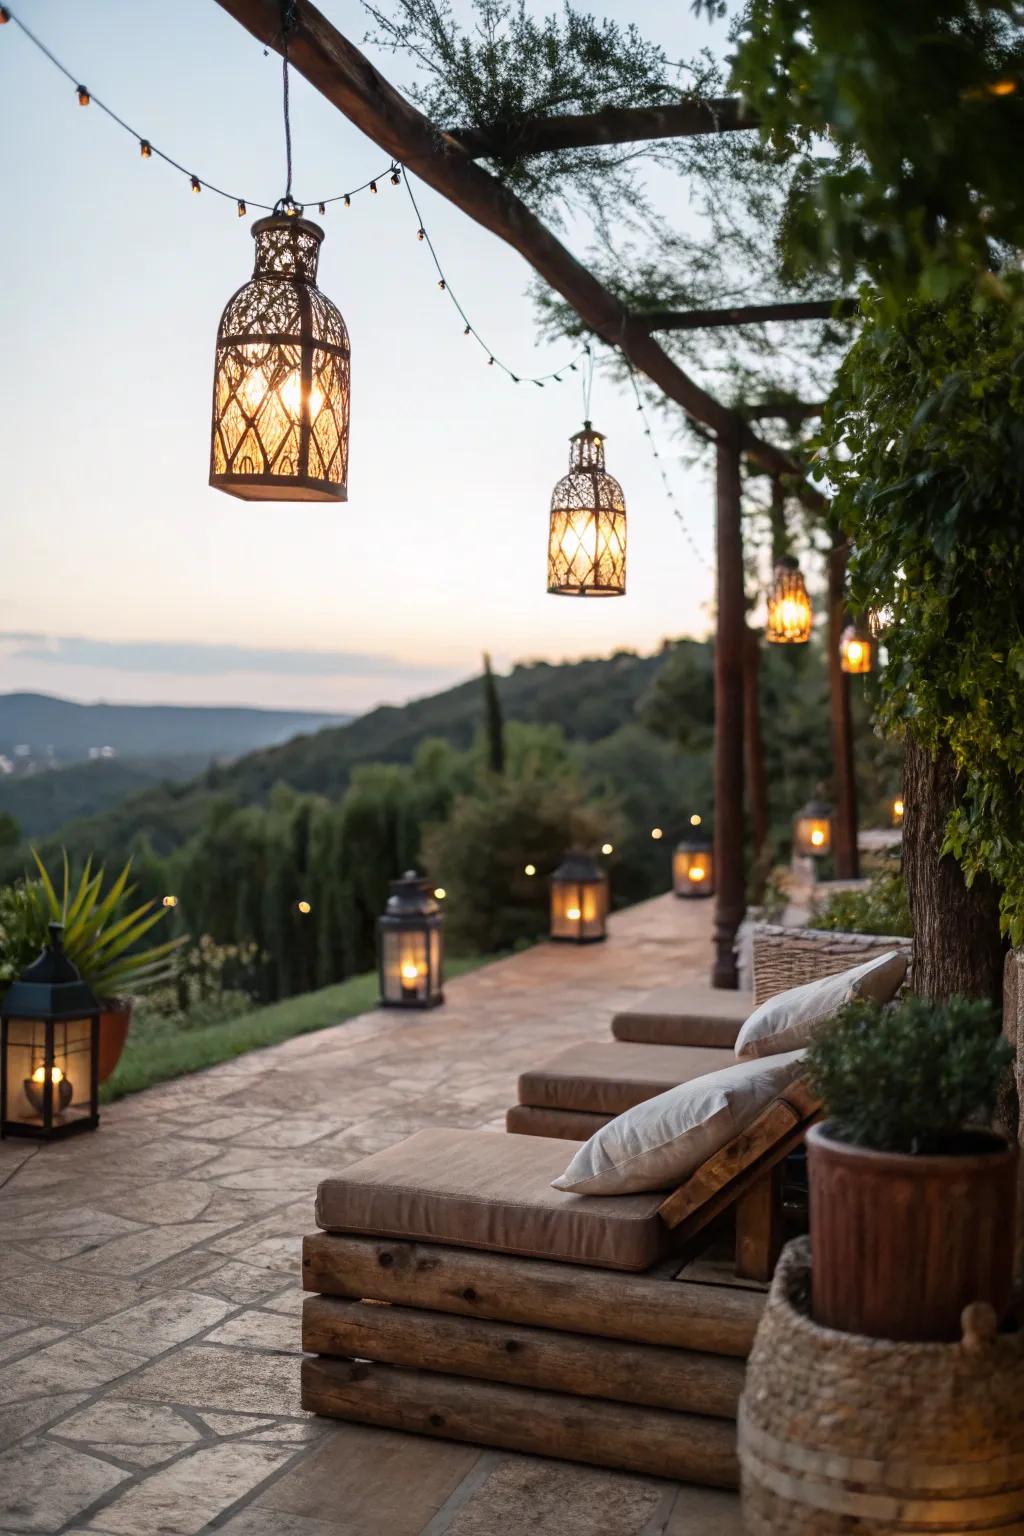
[912, 1195]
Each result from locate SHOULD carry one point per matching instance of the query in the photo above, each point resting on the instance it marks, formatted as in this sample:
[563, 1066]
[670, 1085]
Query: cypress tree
[495, 722]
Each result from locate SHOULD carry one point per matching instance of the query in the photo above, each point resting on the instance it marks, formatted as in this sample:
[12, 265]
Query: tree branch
[747, 314]
[612, 125]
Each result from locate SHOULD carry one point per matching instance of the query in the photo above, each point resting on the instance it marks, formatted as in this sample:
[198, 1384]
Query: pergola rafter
[748, 314]
[612, 125]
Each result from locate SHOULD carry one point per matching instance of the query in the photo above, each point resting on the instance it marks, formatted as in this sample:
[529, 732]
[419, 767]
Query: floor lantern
[856, 651]
[579, 900]
[281, 381]
[812, 829]
[411, 945]
[790, 615]
[693, 872]
[587, 526]
[896, 810]
[49, 1049]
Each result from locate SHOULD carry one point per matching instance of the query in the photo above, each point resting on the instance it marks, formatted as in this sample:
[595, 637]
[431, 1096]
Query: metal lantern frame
[49, 1016]
[282, 379]
[410, 945]
[816, 815]
[790, 612]
[579, 886]
[856, 651]
[693, 866]
[587, 525]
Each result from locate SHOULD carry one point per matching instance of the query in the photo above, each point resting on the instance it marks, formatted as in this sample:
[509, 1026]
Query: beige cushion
[568, 1124]
[610, 1076]
[481, 1189]
[661, 1143]
[690, 1015]
[790, 1020]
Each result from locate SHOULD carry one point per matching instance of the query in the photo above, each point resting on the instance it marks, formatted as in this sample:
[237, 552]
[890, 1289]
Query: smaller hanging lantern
[790, 615]
[812, 829]
[587, 529]
[896, 811]
[856, 651]
[693, 866]
[49, 1049]
[579, 900]
[281, 381]
[411, 945]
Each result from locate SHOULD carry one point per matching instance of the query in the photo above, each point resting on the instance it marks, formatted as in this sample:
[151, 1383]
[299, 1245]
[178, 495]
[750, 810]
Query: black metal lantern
[812, 829]
[411, 945]
[579, 900]
[281, 382]
[587, 525]
[790, 615]
[693, 871]
[49, 1049]
[856, 650]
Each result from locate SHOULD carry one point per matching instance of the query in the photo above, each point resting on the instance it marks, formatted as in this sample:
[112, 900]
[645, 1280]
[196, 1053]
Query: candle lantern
[411, 945]
[790, 615]
[281, 381]
[693, 866]
[579, 900]
[587, 528]
[896, 811]
[49, 1049]
[812, 829]
[856, 651]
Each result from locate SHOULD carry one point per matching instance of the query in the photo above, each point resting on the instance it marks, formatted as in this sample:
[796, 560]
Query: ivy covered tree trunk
[957, 944]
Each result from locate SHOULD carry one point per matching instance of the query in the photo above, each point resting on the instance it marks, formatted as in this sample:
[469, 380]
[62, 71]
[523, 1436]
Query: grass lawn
[153, 1054]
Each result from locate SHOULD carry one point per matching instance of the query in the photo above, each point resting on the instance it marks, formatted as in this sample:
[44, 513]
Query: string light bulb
[440, 893]
[442, 284]
[197, 185]
[587, 524]
[83, 96]
[529, 869]
[170, 901]
[242, 210]
[145, 149]
[607, 848]
[304, 907]
[657, 834]
[695, 820]
[5, 16]
[395, 178]
[322, 207]
[373, 187]
[347, 200]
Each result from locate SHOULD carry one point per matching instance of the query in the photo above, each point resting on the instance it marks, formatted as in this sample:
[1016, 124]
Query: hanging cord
[588, 381]
[288, 24]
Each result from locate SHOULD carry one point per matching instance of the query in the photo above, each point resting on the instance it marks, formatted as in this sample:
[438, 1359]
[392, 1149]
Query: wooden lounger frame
[641, 1372]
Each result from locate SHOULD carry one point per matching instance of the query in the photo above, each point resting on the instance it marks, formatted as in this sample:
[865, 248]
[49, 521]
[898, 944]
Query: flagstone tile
[281, 1255]
[29, 1339]
[159, 1202]
[294, 1131]
[54, 1294]
[245, 1284]
[70, 1365]
[246, 1425]
[705, 1512]
[211, 1376]
[43, 1485]
[256, 1329]
[286, 1221]
[184, 1497]
[154, 1325]
[56, 1221]
[142, 1433]
[557, 1498]
[20, 1419]
[142, 1250]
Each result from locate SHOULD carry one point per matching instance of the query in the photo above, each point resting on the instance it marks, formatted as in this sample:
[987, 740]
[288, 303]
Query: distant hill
[41, 802]
[589, 699]
[42, 728]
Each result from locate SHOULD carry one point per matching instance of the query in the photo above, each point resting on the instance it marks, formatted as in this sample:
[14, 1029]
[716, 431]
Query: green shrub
[881, 908]
[908, 1077]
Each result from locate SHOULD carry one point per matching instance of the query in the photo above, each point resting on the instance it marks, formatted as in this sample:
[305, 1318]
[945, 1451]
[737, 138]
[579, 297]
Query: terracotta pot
[903, 1243]
[114, 1023]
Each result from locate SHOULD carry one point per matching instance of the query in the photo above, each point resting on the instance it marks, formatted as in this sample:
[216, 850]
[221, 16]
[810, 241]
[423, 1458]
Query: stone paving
[149, 1280]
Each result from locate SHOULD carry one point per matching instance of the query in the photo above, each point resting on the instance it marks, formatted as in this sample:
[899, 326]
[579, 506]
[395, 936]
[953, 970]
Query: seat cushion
[687, 1015]
[611, 1076]
[568, 1124]
[482, 1189]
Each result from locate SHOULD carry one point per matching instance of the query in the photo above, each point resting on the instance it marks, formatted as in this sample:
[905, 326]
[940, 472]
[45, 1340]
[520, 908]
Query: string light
[242, 210]
[529, 869]
[145, 149]
[197, 185]
[304, 907]
[695, 820]
[677, 511]
[83, 96]
[170, 901]
[657, 834]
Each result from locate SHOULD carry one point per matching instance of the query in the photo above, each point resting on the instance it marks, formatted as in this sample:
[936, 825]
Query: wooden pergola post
[847, 859]
[730, 637]
[757, 789]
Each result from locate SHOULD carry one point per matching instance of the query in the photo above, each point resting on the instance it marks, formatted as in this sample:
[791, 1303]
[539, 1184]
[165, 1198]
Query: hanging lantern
[856, 650]
[693, 866]
[281, 382]
[790, 614]
[49, 1049]
[579, 900]
[896, 811]
[812, 829]
[411, 945]
[587, 536]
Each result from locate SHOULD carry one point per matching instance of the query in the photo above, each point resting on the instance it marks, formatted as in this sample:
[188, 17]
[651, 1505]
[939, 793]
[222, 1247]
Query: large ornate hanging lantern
[587, 537]
[281, 383]
[49, 1049]
[856, 650]
[579, 900]
[790, 615]
[411, 946]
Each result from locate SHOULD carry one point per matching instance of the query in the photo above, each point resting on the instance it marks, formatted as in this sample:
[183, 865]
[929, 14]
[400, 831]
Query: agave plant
[100, 938]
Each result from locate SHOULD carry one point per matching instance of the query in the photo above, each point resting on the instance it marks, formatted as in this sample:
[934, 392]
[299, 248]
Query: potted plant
[911, 1194]
[101, 938]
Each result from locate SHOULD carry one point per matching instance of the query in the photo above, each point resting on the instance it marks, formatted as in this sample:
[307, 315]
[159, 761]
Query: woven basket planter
[841, 1435]
[787, 957]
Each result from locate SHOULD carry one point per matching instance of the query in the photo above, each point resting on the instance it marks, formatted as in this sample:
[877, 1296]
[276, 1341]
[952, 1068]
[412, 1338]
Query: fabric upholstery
[690, 1015]
[659, 1144]
[790, 1020]
[481, 1189]
[611, 1076]
[568, 1124]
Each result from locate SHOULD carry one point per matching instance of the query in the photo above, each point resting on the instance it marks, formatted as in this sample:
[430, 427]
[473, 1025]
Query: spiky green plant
[100, 937]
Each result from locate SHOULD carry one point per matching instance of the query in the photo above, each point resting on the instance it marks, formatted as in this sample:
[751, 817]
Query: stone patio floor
[149, 1280]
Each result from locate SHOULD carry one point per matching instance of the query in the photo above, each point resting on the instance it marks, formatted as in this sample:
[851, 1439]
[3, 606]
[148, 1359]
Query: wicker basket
[787, 957]
[841, 1435]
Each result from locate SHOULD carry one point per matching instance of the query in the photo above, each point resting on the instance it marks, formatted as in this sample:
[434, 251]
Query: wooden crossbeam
[747, 314]
[611, 125]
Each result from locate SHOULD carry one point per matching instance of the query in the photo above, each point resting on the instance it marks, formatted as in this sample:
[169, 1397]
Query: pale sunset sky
[125, 577]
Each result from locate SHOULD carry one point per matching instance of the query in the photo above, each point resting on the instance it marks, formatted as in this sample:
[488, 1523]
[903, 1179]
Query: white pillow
[790, 1020]
[661, 1142]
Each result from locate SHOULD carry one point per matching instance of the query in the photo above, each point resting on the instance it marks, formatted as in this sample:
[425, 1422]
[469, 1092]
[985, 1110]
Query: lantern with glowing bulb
[790, 615]
[856, 650]
[281, 381]
[693, 866]
[49, 1049]
[587, 528]
[411, 945]
[812, 829]
[896, 811]
[579, 900]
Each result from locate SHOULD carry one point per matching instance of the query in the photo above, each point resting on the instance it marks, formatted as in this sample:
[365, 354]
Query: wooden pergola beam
[747, 314]
[612, 125]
